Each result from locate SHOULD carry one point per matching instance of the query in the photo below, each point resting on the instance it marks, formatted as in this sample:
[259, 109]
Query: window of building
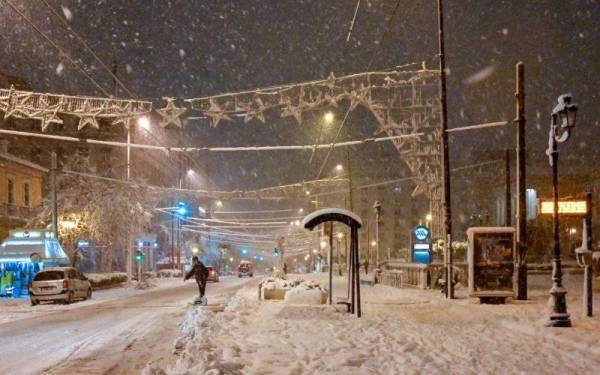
[27, 194]
[10, 191]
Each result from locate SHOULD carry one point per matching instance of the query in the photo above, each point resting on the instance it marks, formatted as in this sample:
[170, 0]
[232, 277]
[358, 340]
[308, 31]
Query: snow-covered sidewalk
[402, 331]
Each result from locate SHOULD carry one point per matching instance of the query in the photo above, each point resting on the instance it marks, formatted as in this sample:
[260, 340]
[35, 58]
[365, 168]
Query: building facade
[21, 190]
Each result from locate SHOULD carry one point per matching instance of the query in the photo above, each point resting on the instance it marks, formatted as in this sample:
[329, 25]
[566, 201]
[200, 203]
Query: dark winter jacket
[199, 272]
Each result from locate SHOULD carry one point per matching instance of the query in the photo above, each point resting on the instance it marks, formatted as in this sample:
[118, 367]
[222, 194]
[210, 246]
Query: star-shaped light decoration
[87, 116]
[257, 112]
[48, 114]
[170, 114]
[330, 82]
[122, 115]
[12, 105]
[216, 114]
[291, 110]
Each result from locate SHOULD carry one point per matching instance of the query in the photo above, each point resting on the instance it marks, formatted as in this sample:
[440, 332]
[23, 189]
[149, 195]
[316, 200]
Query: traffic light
[182, 209]
[276, 252]
[139, 256]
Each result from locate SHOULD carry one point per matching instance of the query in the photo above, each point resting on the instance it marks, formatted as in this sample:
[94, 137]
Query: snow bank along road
[403, 331]
[119, 335]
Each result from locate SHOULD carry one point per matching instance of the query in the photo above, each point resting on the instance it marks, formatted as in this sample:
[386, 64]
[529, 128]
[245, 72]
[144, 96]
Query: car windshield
[49, 276]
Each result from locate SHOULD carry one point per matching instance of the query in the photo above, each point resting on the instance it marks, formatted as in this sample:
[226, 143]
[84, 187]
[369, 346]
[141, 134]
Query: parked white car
[64, 284]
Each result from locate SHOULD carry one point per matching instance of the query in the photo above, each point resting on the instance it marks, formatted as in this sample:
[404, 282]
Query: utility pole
[507, 197]
[53, 167]
[446, 202]
[521, 186]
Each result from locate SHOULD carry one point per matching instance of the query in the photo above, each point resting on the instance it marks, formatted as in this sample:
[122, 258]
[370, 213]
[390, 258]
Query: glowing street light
[219, 204]
[191, 172]
[143, 122]
[339, 168]
[373, 243]
[328, 117]
[323, 245]
[195, 250]
[315, 251]
[301, 210]
[340, 235]
[231, 259]
[428, 217]
[307, 192]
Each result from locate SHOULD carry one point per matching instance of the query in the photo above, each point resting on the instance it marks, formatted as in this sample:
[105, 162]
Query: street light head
[143, 122]
[323, 245]
[195, 250]
[307, 192]
[191, 172]
[373, 243]
[565, 111]
[219, 204]
[301, 210]
[340, 235]
[428, 217]
[339, 168]
[328, 117]
[377, 206]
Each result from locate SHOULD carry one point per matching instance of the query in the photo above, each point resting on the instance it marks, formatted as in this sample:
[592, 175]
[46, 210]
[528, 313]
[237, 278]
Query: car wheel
[251, 275]
[70, 298]
[88, 295]
[34, 302]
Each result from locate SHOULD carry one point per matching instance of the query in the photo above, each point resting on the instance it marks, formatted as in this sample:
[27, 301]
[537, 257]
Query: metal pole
[53, 167]
[588, 302]
[352, 272]
[521, 186]
[377, 236]
[559, 316]
[329, 259]
[355, 250]
[128, 150]
[507, 197]
[444, 146]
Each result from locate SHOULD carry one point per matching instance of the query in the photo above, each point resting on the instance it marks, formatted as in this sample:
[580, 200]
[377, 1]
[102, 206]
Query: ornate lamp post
[377, 208]
[564, 116]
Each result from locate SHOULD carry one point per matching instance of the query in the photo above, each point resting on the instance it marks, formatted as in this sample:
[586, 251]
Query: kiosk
[23, 254]
[491, 256]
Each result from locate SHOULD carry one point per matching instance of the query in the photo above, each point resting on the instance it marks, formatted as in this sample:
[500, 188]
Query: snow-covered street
[118, 331]
[402, 331]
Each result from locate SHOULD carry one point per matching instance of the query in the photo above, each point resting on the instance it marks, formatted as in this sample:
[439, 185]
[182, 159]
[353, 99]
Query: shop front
[23, 254]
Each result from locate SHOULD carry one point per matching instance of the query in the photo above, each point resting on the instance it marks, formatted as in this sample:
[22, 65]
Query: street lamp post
[377, 208]
[566, 113]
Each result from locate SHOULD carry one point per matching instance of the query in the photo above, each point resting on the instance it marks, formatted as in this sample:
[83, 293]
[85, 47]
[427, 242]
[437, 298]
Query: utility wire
[62, 52]
[87, 47]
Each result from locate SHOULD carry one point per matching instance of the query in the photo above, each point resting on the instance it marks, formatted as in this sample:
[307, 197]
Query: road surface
[118, 336]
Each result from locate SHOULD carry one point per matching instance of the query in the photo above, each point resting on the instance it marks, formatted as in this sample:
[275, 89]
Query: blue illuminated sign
[421, 233]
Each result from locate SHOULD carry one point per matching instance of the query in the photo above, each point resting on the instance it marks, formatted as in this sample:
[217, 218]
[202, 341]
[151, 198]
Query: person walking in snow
[200, 273]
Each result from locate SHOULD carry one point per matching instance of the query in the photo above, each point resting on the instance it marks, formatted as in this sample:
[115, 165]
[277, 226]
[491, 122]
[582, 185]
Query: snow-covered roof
[24, 162]
[330, 212]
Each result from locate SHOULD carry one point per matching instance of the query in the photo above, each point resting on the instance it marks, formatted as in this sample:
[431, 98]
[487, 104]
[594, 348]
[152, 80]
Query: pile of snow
[170, 273]
[273, 283]
[306, 293]
[106, 280]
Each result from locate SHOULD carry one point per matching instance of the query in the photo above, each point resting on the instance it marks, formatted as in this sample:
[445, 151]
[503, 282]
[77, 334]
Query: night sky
[195, 48]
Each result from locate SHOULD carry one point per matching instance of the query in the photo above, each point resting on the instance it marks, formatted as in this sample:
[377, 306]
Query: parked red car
[213, 274]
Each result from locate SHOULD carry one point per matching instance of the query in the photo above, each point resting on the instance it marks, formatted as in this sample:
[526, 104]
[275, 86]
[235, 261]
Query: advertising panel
[491, 261]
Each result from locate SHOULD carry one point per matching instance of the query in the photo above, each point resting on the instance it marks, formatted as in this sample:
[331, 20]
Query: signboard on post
[565, 207]
[421, 246]
[491, 256]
